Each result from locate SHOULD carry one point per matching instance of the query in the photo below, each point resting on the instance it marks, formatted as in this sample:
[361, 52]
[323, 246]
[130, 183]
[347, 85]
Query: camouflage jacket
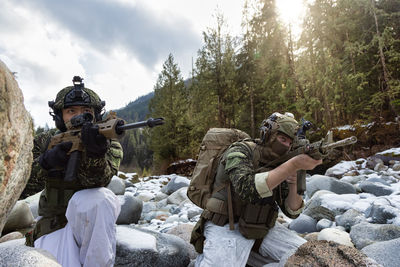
[92, 172]
[239, 166]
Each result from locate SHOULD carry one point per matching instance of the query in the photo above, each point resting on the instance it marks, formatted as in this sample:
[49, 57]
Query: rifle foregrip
[301, 182]
[72, 167]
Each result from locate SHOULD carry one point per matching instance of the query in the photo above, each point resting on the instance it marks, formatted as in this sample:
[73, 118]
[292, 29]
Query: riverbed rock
[140, 247]
[385, 252]
[364, 234]
[16, 137]
[19, 218]
[14, 253]
[328, 253]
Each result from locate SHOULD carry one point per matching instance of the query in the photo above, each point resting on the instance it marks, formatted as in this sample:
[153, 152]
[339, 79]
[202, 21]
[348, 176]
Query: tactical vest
[255, 219]
[53, 204]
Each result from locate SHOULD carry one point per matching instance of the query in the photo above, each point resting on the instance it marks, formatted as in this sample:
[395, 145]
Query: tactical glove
[56, 157]
[96, 145]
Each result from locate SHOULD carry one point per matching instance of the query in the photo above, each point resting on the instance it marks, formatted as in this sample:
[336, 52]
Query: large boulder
[328, 253]
[364, 234]
[376, 189]
[303, 224]
[117, 185]
[184, 231]
[16, 137]
[335, 235]
[14, 253]
[20, 217]
[131, 209]
[350, 218]
[385, 252]
[321, 182]
[140, 247]
[176, 183]
[178, 196]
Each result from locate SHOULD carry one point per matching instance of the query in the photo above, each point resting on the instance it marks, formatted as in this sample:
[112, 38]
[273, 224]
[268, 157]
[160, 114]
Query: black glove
[56, 157]
[96, 145]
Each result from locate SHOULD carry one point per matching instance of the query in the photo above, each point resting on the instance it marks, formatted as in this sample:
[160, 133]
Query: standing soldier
[77, 218]
[253, 196]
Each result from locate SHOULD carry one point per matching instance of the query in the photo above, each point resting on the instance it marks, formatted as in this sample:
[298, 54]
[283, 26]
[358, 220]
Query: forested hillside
[343, 69]
[137, 155]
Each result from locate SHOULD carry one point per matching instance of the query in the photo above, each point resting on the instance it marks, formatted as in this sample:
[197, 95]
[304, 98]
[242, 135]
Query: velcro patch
[233, 160]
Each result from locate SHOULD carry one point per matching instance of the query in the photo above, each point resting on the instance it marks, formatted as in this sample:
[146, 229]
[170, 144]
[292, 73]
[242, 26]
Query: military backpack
[212, 147]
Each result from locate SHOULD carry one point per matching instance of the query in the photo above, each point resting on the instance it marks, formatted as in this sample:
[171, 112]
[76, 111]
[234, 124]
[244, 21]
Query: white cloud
[46, 51]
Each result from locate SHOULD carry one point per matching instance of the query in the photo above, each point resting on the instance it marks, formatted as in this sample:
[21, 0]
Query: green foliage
[344, 68]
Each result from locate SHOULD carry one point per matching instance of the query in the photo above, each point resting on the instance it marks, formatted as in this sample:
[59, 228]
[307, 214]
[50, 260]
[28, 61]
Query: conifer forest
[344, 68]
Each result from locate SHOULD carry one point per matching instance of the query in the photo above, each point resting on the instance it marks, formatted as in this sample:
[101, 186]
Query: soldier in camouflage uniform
[77, 218]
[241, 213]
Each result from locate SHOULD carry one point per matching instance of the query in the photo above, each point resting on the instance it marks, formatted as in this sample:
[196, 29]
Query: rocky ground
[351, 218]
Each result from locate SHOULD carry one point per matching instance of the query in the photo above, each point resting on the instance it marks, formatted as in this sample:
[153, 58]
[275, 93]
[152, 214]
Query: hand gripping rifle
[111, 127]
[318, 150]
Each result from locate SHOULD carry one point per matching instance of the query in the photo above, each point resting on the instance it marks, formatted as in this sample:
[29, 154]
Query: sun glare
[291, 13]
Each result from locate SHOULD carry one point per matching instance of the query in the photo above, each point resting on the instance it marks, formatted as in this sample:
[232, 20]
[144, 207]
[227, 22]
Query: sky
[117, 46]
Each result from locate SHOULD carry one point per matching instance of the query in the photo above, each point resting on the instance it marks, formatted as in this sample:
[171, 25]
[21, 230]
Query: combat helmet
[76, 95]
[277, 122]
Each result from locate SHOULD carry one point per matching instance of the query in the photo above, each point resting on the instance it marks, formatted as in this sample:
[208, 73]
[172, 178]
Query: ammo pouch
[197, 238]
[256, 220]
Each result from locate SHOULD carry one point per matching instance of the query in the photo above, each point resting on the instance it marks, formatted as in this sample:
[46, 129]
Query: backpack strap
[230, 207]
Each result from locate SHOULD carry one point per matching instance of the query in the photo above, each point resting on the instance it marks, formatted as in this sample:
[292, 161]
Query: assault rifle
[317, 150]
[111, 127]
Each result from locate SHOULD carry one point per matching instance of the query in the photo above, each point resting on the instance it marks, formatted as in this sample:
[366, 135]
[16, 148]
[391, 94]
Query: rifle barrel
[150, 123]
[347, 141]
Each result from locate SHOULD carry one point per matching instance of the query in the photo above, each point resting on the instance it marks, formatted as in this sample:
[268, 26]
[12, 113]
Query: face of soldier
[72, 111]
[281, 144]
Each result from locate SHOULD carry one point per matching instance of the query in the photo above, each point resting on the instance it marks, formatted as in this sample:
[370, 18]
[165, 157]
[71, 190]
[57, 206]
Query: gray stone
[14, 253]
[319, 212]
[140, 247]
[380, 167]
[385, 252]
[19, 218]
[33, 202]
[184, 231]
[353, 179]
[149, 206]
[160, 196]
[349, 218]
[377, 180]
[328, 253]
[194, 211]
[340, 169]
[364, 234]
[131, 209]
[335, 235]
[323, 223]
[376, 189]
[303, 224]
[176, 183]
[178, 196]
[321, 182]
[11, 236]
[117, 185]
[373, 161]
[16, 135]
[396, 167]
[381, 214]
